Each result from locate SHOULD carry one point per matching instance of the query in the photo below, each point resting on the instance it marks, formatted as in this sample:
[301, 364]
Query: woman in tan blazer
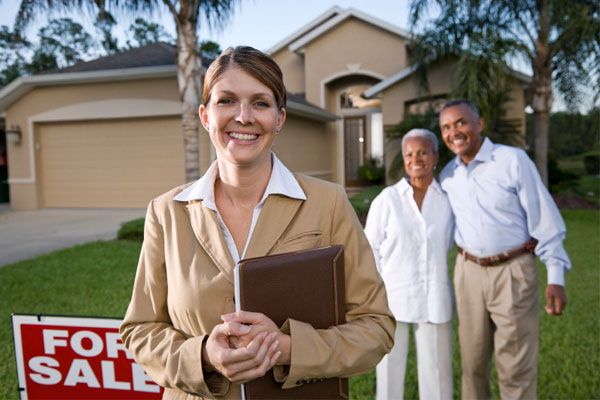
[180, 325]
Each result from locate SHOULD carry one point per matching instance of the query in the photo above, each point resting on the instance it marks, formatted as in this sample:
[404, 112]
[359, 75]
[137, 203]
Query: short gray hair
[422, 133]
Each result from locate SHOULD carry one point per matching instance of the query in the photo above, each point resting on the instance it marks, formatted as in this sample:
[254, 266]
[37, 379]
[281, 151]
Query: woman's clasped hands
[245, 346]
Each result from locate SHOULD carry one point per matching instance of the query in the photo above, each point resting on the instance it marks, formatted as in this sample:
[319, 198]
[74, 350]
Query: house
[106, 133]
[356, 67]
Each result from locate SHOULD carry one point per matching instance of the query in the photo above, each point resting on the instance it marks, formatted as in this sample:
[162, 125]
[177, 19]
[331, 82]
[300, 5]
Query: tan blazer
[184, 282]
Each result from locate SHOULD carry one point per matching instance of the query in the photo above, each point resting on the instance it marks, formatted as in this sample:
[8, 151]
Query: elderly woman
[181, 325]
[410, 229]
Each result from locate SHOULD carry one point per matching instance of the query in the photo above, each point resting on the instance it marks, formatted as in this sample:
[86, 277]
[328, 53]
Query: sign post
[83, 358]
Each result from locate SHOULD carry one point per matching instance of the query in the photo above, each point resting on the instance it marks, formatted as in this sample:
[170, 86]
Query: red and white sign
[76, 358]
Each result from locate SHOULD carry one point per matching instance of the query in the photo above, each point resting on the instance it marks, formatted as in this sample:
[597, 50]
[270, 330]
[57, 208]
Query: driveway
[26, 234]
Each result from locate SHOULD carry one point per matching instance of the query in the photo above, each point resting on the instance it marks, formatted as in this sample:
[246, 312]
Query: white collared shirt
[282, 182]
[411, 251]
[500, 203]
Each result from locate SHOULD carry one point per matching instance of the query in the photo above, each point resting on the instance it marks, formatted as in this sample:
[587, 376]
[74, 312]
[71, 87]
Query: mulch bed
[564, 200]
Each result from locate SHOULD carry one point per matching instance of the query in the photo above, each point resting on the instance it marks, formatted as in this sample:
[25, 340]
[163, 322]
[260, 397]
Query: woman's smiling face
[242, 118]
[419, 158]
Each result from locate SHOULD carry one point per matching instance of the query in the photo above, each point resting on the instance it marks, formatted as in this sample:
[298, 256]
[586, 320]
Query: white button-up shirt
[282, 182]
[411, 251]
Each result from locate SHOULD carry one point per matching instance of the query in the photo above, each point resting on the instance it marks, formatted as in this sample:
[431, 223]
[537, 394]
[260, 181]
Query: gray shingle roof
[154, 54]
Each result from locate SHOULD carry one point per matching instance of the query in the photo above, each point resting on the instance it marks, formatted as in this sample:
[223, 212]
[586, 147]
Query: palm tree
[559, 40]
[187, 15]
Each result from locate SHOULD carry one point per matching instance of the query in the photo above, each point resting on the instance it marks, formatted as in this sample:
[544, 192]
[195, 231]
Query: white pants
[434, 362]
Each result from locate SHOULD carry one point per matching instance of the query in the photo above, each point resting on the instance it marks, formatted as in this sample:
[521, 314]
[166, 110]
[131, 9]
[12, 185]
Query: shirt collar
[281, 182]
[403, 186]
[484, 154]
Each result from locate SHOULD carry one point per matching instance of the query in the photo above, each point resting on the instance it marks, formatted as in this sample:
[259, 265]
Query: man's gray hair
[457, 102]
[422, 133]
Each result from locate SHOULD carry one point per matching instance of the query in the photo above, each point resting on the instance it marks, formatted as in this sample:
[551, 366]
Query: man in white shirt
[504, 217]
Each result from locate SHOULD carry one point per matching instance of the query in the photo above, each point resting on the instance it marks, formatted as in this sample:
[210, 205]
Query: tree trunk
[189, 81]
[542, 99]
[540, 130]
[541, 104]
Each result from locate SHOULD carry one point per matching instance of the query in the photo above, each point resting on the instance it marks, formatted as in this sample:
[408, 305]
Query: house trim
[21, 86]
[391, 80]
[408, 71]
[298, 45]
[333, 11]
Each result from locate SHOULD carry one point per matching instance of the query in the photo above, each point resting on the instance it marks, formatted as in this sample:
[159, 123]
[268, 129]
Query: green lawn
[95, 280]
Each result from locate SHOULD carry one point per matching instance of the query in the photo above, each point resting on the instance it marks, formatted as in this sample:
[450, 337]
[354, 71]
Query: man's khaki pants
[498, 310]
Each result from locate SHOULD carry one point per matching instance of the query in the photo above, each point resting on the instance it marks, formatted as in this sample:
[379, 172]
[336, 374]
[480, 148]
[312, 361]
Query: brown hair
[253, 62]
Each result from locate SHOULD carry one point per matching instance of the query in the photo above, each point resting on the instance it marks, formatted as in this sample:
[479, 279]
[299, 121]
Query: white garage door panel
[123, 163]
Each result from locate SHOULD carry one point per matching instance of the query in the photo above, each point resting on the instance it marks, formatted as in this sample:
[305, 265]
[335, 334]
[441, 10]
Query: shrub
[592, 164]
[558, 179]
[362, 201]
[132, 230]
[372, 172]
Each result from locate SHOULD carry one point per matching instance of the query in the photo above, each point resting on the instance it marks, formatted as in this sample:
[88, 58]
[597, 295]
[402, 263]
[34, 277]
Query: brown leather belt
[498, 259]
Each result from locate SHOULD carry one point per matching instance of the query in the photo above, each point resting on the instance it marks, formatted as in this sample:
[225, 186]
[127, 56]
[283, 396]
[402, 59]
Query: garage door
[109, 164]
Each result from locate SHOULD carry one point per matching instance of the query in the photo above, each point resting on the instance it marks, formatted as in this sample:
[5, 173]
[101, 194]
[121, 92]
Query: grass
[589, 187]
[95, 279]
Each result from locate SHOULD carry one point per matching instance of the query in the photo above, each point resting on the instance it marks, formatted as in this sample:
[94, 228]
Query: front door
[355, 148]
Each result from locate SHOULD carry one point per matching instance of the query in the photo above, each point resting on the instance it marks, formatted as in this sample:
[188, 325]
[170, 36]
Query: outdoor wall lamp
[14, 134]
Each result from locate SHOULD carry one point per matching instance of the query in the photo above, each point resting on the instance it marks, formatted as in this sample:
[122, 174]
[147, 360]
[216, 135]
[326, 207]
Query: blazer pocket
[302, 241]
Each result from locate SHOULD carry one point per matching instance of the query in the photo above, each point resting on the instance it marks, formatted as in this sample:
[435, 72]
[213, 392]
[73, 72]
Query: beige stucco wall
[305, 146]
[292, 66]
[353, 47]
[393, 99]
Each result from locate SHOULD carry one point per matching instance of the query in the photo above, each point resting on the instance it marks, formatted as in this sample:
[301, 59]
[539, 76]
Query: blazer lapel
[210, 236]
[274, 219]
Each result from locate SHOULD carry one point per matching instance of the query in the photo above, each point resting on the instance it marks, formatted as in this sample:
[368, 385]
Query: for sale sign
[76, 358]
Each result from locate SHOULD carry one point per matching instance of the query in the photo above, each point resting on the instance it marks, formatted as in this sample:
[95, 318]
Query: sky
[257, 23]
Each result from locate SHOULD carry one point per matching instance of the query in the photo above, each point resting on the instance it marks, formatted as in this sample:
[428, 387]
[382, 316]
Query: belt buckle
[494, 261]
[498, 259]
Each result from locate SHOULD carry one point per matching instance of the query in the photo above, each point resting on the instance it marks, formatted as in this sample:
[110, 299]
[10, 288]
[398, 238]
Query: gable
[354, 46]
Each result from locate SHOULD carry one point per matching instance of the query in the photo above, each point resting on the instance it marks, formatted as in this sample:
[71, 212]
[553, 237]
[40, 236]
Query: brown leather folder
[307, 286]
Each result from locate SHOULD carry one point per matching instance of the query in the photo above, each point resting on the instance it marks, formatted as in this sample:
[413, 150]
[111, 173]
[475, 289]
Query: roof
[156, 60]
[328, 21]
[408, 71]
[297, 105]
[153, 54]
